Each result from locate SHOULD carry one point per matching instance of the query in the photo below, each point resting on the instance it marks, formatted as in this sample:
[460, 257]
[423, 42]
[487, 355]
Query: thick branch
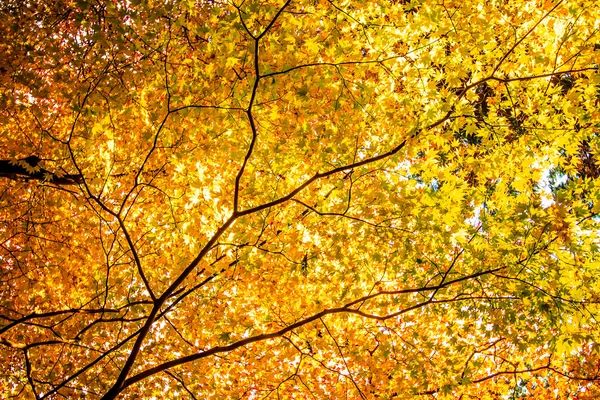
[338, 310]
[17, 172]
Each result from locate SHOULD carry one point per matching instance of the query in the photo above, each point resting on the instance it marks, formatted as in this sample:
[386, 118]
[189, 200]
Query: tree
[300, 199]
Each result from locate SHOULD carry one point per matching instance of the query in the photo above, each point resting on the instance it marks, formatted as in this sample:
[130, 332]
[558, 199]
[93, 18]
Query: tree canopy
[328, 199]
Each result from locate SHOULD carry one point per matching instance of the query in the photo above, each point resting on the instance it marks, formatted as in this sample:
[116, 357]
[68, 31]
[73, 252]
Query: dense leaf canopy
[334, 199]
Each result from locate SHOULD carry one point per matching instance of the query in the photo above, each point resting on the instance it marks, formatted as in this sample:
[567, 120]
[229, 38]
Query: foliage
[309, 199]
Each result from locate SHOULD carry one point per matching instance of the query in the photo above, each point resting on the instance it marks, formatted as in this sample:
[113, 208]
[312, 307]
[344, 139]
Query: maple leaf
[299, 199]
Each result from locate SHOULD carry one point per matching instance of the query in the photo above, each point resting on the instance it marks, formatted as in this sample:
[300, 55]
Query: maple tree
[300, 199]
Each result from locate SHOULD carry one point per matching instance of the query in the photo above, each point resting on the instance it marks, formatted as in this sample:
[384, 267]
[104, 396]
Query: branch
[17, 171]
[362, 396]
[505, 56]
[265, 336]
[257, 77]
[143, 332]
[136, 257]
